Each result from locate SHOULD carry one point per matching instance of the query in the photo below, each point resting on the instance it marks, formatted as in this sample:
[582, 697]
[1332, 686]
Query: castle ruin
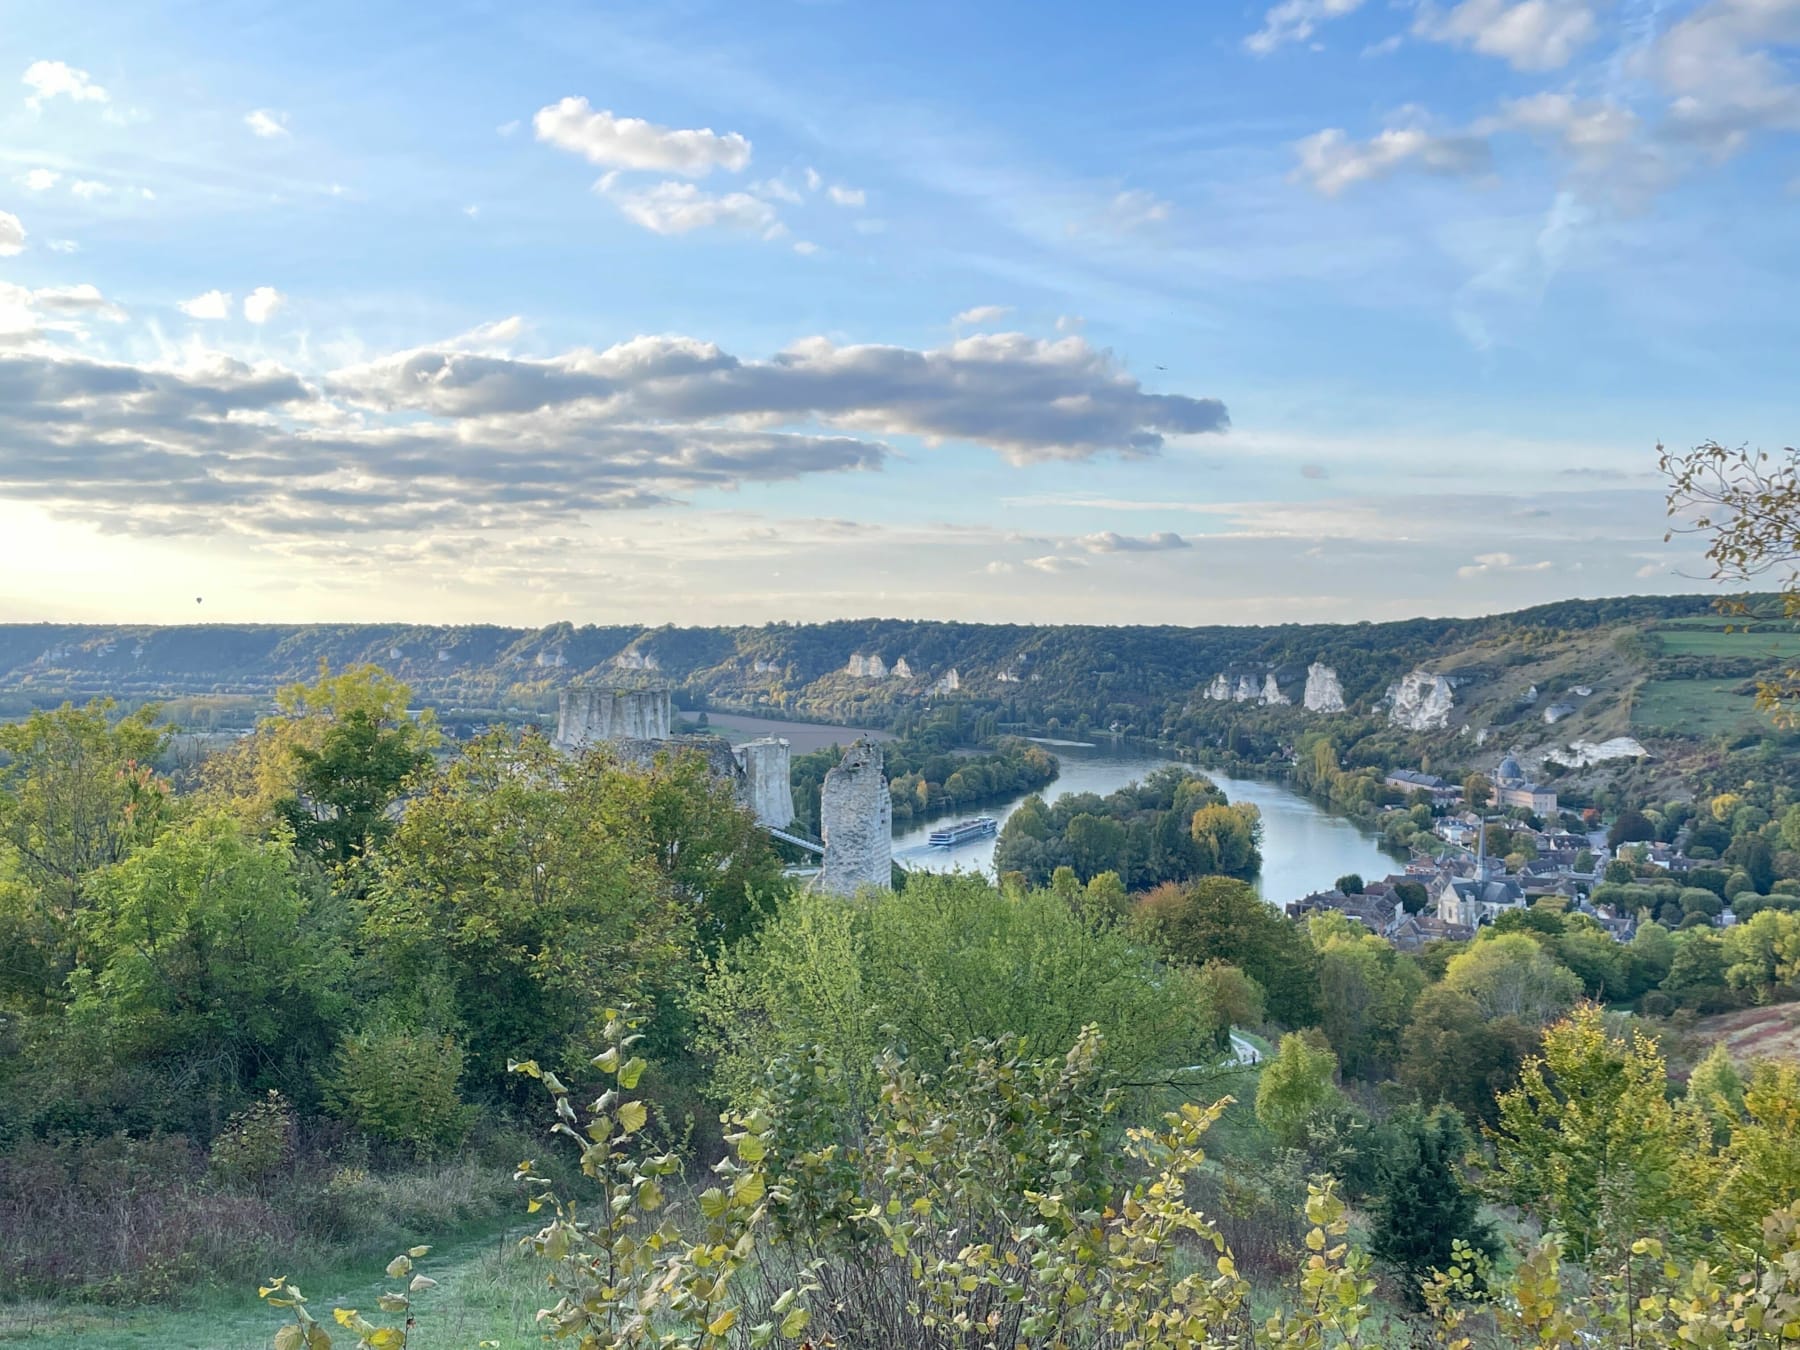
[856, 817]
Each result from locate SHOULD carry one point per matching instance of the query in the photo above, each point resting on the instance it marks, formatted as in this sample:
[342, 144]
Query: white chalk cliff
[1272, 697]
[1245, 691]
[1323, 692]
[1421, 702]
[1580, 754]
[1220, 689]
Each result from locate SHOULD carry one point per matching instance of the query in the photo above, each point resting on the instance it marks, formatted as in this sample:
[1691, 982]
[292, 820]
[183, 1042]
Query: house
[1374, 912]
[1410, 781]
[1512, 788]
[1413, 931]
[1473, 901]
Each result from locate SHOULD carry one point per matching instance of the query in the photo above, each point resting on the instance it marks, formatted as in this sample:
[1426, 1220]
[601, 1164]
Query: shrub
[256, 1143]
[401, 1086]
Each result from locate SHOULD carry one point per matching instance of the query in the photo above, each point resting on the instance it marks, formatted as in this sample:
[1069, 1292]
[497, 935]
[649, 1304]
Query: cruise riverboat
[963, 831]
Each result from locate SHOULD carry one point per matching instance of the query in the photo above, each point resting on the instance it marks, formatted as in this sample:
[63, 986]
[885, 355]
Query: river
[1305, 848]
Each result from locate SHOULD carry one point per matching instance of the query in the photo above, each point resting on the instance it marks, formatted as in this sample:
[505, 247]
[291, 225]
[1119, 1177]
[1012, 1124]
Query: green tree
[344, 787]
[1350, 884]
[1223, 919]
[1478, 790]
[1366, 993]
[501, 886]
[1716, 1088]
[946, 961]
[1762, 952]
[1760, 1165]
[1296, 1087]
[200, 946]
[1510, 975]
[1421, 1206]
[77, 794]
[1591, 1142]
[1452, 1052]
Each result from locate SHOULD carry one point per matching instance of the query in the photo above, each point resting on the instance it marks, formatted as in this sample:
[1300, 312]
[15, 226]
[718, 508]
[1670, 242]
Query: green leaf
[394, 1303]
[795, 1323]
[713, 1202]
[417, 1252]
[632, 1070]
[752, 1149]
[290, 1337]
[632, 1116]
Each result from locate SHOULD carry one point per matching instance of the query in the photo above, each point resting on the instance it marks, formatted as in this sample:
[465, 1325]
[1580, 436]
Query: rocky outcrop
[1556, 712]
[1245, 691]
[636, 660]
[948, 683]
[1530, 696]
[1323, 692]
[1219, 690]
[1581, 754]
[762, 667]
[902, 671]
[856, 817]
[1006, 677]
[1421, 701]
[586, 716]
[767, 787]
[867, 667]
[1272, 697]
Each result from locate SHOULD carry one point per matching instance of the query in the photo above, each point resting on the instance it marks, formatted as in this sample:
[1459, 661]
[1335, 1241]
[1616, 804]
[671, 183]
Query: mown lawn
[486, 1293]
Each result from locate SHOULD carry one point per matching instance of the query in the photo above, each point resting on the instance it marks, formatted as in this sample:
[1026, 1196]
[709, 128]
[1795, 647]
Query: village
[1457, 884]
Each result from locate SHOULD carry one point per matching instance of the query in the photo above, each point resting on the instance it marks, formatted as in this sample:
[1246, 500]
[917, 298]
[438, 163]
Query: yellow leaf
[630, 1072]
[795, 1323]
[345, 1316]
[398, 1267]
[290, 1337]
[632, 1116]
[417, 1252]
[393, 1303]
[382, 1338]
[722, 1323]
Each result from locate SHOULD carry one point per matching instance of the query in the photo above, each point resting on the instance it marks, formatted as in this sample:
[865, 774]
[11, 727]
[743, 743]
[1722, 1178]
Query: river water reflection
[1305, 848]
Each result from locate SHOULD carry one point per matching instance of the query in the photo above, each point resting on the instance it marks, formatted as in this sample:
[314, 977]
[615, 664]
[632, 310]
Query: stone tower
[856, 817]
[586, 716]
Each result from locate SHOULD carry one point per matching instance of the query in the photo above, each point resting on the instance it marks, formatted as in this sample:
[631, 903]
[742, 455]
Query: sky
[1198, 312]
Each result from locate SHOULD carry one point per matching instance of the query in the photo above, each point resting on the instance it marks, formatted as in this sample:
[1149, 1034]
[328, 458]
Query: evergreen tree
[1421, 1206]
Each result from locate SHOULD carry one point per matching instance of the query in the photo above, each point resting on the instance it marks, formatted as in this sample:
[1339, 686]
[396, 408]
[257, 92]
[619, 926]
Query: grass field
[486, 1293]
[1766, 644]
[1695, 707]
[1754, 1033]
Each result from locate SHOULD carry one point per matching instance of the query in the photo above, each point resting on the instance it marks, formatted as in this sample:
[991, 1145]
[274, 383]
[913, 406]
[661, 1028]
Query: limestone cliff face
[1272, 697]
[636, 660]
[902, 671]
[1245, 691]
[1421, 702]
[1219, 690]
[1323, 692]
[856, 816]
[867, 667]
[948, 683]
[767, 787]
[586, 716]
[1580, 754]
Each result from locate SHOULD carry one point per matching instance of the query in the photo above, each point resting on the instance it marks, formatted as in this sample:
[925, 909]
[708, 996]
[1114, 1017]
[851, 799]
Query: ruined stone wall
[768, 786]
[856, 815]
[586, 716]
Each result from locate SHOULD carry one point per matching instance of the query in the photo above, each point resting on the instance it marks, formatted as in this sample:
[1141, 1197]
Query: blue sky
[1192, 312]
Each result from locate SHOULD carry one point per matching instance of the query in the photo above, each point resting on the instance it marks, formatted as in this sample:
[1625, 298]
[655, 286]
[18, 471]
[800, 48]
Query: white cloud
[12, 235]
[40, 180]
[982, 314]
[813, 180]
[1135, 208]
[1108, 542]
[87, 189]
[146, 194]
[472, 211]
[677, 208]
[1053, 564]
[508, 128]
[1070, 323]
[1331, 161]
[262, 303]
[631, 143]
[847, 196]
[80, 299]
[1486, 564]
[211, 305]
[266, 123]
[778, 190]
[27, 314]
[64, 246]
[52, 79]
[1295, 21]
[1527, 34]
[805, 247]
[1725, 79]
